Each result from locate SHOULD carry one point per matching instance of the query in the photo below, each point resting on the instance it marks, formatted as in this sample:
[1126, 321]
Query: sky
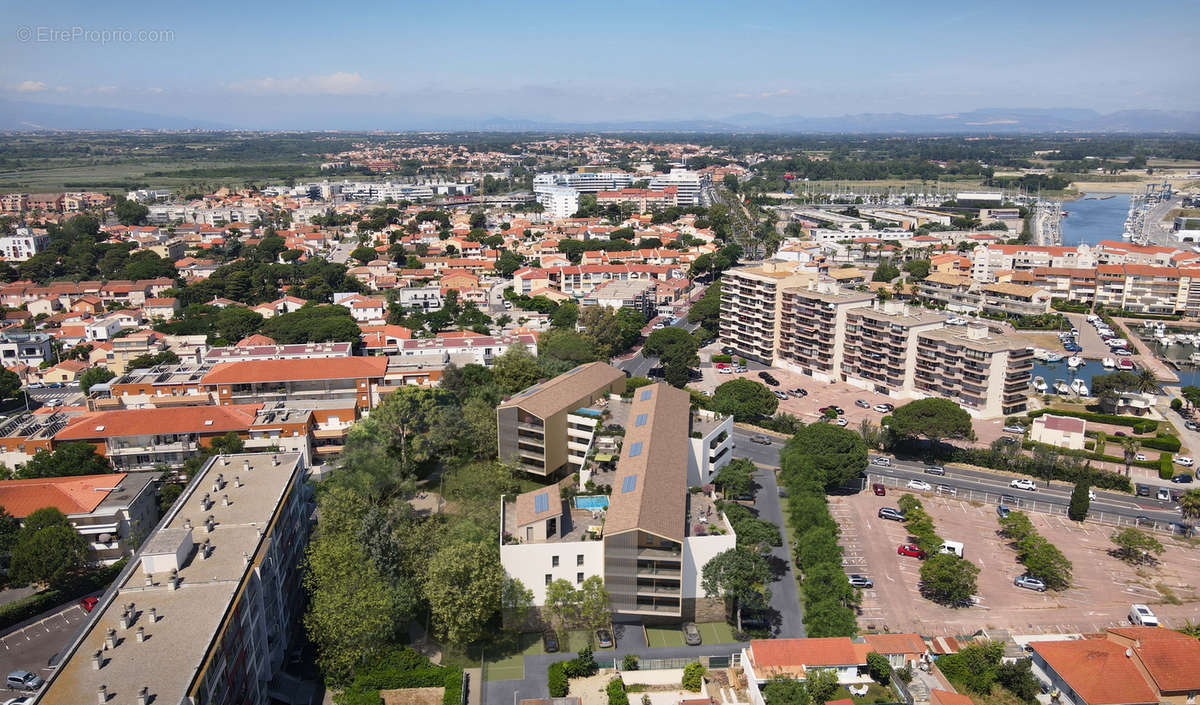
[269, 64]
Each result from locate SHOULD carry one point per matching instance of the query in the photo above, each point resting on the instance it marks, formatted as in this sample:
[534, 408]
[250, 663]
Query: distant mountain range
[23, 115]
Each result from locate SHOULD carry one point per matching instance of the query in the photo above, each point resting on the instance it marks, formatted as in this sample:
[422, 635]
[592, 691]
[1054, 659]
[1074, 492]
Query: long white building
[688, 185]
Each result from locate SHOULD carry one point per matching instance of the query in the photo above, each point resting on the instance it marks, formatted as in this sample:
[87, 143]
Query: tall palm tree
[1189, 504]
[1146, 381]
[1130, 445]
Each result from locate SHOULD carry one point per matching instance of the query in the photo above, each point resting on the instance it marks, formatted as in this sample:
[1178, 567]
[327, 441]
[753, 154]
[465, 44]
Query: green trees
[834, 455]
[615, 690]
[707, 309]
[879, 668]
[735, 478]
[782, 690]
[822, 685]
[948, 579]
[67, 459]
[978, 668]
[463, 583]
[1189, 505]
[611, 332]
[313, 324]
[1080, 503]
[1135, 546]
[141, 362]
[1041, 558]
[47, 549]
[917, 268]
[10, 383]
[364, 254]
[585, 607]
[693, 676]
[752, 532]
[738, 576]
[744, 400]
[933, 418]
[516, 369]
[412, 425]
[676, 348]
[94, 375]
[885, 272]
[919, 524]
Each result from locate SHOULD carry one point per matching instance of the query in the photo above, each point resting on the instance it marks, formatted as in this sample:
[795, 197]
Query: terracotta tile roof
[166, 420]
[896, 643]
[1097, 670]
[794, 655]
[945, 697]
[1063, 423]
[254, 339]
[250, 371]
[70, 495]
[1170, 657]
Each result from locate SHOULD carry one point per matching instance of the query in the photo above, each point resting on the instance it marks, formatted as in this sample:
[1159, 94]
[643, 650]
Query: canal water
[1051, 371]
[1091, 219]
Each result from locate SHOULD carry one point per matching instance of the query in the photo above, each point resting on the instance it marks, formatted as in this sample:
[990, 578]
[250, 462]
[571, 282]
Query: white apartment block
[559, 201]
[987, 260]
[751, 308]
[23, 245]
[688, 185]
[585, 181]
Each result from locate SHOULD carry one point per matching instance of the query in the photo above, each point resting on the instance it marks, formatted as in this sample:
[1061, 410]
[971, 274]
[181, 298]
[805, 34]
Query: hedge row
[25, 608]
[1166, 467]
[1170, 444]
[1030, 445]
[1149, 425]
[402, 668]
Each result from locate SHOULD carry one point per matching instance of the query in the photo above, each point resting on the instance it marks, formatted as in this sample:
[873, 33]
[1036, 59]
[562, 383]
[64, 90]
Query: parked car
[920, 485]
[1138, 614]
[891, 514]
[881, 460]
[935, 470]
[766, 377]
[861, 581]
[1023, 484]
[604, 638]
[835, 409]
[1029, 583]
[841, 421]
[908, 549]
[1184, 461]
[23, 700]
[1139, 456]
[24, 680]
[1002, 510]
[862, 403]
[1009, 500]
[725, 370]
[1182, 478]
[883, 408]
[760, 439]
[89, 603]
[781, 396]
[879, 489]
[741, 369]
[727, 350]
[1191, 426]
[1013, 429]
[549, 642]
[691, 635]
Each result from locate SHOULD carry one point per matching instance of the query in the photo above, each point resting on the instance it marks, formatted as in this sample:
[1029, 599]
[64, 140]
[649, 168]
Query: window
[541, 502]
[629, 483]
[579, 559]
[635, 449]
[579, 577]
[641, 419]
[549, 578]
[553, 561]
[646, 394]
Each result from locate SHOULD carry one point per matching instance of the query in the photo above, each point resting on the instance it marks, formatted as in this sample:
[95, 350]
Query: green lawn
[710, 632]
[875, 694]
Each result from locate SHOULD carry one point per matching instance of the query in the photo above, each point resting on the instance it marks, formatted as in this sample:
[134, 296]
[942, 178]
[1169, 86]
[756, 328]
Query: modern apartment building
[655, 536]
[986, 374]
[585, 181]
[752, 308]
[986, 260]
[955, 292]
[23, 245]
[813, 329]
[688, 185]
[548, 428]
[559, 201]
[881, 346]
[1008, 299]
[206, 610]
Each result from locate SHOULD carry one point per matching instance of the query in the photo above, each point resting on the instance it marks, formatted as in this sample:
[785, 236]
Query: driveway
[31, 647]
[785, 594]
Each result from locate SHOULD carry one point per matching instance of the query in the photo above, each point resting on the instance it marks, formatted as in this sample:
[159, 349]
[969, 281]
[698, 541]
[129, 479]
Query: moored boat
[1039, 384]
[1108, 363]
[1060, 387]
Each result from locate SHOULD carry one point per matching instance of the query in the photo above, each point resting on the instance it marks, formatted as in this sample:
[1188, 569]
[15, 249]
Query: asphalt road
[32, 647]
[1058, 493]
[639, 365]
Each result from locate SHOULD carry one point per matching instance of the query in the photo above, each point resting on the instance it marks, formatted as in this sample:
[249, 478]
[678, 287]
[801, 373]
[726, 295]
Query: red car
[89, 603]
[907, 549]
[879, 489]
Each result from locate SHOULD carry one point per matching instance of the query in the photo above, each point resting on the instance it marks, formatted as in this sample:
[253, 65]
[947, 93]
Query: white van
[1142, 616]
[955, 547]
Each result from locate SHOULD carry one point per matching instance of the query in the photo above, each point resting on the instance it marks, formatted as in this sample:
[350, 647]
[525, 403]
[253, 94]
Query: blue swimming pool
[597, 501]
[589, 412]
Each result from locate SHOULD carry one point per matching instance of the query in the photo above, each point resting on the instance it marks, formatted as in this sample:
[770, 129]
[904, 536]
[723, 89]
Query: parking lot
[1103, 587]
[31, 648]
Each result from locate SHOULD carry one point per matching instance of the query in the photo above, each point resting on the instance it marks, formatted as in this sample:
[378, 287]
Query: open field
[1103, 587]
[121, 177]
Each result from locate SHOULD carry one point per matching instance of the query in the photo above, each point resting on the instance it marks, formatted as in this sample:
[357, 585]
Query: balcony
[659, 554]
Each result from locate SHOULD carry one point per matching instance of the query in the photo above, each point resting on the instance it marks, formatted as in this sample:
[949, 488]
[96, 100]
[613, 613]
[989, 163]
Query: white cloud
[339, 83]
[31, 87]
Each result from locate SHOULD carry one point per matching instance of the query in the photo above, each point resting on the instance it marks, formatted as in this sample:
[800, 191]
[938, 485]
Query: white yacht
[1079, 387]
[1074, 361]
[1041, 354]
[1054, 357]
[1039, 385]
[1060, 387]
[1108, 363]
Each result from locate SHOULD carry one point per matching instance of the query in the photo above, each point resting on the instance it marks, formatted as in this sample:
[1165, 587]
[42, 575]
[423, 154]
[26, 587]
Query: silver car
[1029, 583]
[861, 581]
[691, 635]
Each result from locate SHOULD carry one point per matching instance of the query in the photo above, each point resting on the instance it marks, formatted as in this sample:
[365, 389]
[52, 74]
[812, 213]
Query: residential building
[751, 308]
[688, 185]
[23, 245]
[1014, 299]
[256, 381]
[987, 375]
[648, 552]
[813, 329]
[547, 428]
[584, 181]
[711, 449]
[986, 260]
[636, 294]
[26, 348]
[1062, 431]
[559, 201]
[272, 351]
[881, 346]
[420, 298]
[206, 611]
[112, 512]
[642, 200]
[955, 292]
[765, 659]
